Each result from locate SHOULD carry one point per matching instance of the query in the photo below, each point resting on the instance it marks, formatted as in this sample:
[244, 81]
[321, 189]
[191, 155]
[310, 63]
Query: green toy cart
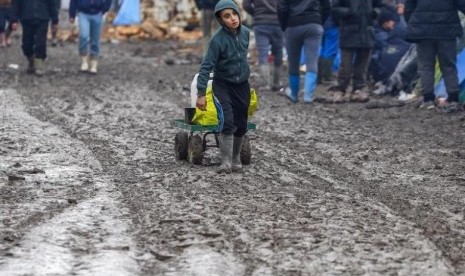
[190, 142]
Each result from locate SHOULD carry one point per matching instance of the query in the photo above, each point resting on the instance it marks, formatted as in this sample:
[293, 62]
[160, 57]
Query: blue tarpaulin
[440, 89]
[128, 14]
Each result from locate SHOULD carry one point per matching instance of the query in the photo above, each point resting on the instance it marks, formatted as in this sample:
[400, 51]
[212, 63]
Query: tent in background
[128, 14]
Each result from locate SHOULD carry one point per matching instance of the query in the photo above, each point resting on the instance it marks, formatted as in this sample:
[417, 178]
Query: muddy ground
[89, 183]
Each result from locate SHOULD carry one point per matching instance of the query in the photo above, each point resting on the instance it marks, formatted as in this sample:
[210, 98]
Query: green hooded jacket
[226, 55]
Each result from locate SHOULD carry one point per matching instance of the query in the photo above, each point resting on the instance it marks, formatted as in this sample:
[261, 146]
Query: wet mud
[89, 182]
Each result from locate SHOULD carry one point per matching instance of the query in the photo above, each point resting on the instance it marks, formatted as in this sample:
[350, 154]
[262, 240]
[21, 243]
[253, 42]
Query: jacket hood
[226, 4]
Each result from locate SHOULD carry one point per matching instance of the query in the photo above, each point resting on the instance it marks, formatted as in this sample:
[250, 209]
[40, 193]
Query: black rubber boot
[236, 165]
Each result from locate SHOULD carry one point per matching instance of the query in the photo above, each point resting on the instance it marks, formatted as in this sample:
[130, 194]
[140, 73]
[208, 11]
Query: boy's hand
[201, 103]
[400, 9]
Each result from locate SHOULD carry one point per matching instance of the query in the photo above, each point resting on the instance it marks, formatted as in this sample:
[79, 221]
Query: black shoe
[450, 107]
[429, 105]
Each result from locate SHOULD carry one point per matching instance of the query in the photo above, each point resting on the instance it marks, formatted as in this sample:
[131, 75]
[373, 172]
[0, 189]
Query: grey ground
[89, 184]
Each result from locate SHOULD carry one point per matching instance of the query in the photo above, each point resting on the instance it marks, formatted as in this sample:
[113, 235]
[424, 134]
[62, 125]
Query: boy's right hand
[201, 103]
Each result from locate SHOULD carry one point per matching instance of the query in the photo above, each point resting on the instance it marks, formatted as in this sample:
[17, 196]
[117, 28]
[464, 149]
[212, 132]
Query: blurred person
[390, 46]
[90, 20]
[226, 57]
[356, 21]
[268, 36]
[434, 27]
[302, 22]
[34, 16]
[54, 31]
[207, 20]
[5, 24]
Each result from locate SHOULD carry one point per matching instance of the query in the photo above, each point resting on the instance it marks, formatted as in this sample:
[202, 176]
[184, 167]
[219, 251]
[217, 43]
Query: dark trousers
[4, 19]
[354, 65]
[35, 38]
[235, 101]
[446, 53]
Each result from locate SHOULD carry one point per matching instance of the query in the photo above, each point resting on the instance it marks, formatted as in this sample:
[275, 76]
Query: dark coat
[356, 21]
[28, 10]
[226, 54]
[88, 6]
[293, 13]
[264, 12]
[206, 4]
[433, 19]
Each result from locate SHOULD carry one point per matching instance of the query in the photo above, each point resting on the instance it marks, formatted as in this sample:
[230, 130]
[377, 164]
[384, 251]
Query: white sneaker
[406, 97]
[93, 66]
[84, 64]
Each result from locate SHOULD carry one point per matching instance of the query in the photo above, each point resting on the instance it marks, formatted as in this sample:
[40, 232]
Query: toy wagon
[190, 142]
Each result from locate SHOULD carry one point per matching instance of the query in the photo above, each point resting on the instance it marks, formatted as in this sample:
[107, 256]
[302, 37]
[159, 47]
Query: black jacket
[356, 21]
[29, 10]
[264, 12]
[433, 19]
[88, 7]
[206, 4]
[300, 12]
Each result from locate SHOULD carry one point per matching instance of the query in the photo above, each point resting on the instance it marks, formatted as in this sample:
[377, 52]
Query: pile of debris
[160, 20]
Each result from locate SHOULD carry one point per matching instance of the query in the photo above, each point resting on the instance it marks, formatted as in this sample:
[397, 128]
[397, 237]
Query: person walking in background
[302, 22]
[208, 21]
[435, 26]
[268, 34]
[34, 16]
[5, 17]
[90, 18]
[54, 31]
[356, 22]
[226, 57]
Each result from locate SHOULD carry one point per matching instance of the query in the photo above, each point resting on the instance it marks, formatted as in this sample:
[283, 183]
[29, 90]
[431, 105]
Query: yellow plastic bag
[208, 117]
[253, 102]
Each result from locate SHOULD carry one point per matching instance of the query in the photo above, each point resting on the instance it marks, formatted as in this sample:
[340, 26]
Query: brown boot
[39, 67]
[2, 40]
[31, 68]
[359, 96]
[338, 97]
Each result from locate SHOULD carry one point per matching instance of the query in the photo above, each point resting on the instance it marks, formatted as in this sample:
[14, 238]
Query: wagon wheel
[195, 150]
[246, 151]
[181, 142]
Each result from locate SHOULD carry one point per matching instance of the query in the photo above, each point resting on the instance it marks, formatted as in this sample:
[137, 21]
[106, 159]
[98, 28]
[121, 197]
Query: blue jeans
[90, 27]
[266, 36]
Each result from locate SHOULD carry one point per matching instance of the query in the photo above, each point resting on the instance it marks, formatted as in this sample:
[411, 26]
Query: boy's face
[230, 18]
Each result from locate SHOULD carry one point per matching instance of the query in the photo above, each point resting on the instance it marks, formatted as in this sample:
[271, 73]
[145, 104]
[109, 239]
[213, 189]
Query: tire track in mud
[273, 219]
[250, 241]
[368, 168]
[63, 217]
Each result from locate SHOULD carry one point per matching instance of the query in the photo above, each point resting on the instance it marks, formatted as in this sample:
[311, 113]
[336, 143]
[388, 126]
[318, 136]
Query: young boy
[226, 56]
